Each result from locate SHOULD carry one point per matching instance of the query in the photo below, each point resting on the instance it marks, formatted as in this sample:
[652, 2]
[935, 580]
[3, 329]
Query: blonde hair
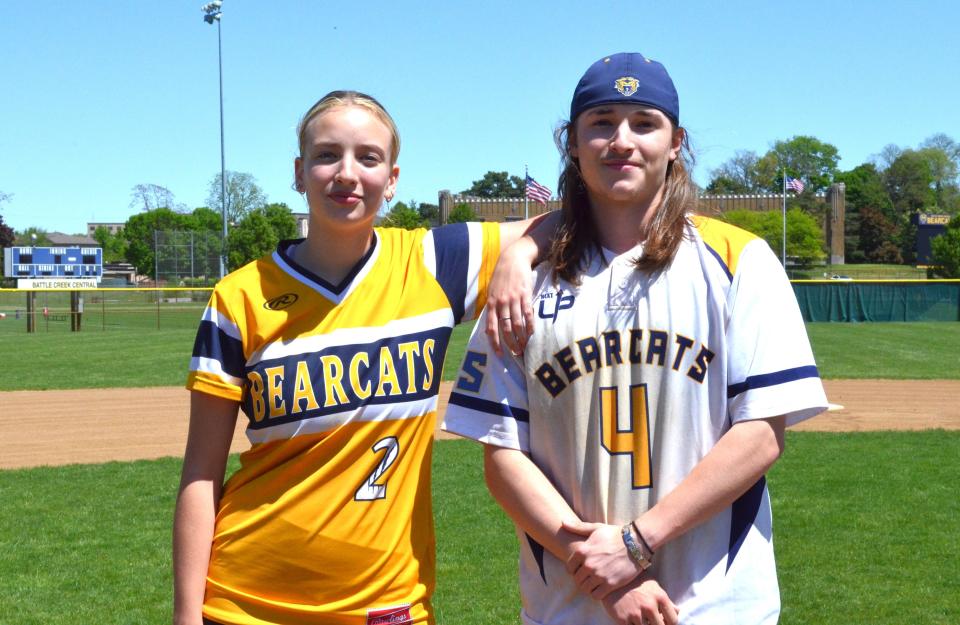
[578, 232]
[336, 99]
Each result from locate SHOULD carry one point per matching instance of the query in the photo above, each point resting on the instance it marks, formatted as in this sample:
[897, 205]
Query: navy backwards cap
[626, 78]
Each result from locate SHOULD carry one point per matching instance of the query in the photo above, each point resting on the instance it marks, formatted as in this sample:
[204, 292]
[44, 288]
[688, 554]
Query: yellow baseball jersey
[329, 518]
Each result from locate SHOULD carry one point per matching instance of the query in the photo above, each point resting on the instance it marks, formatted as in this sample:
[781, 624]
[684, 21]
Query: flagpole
[784, 248]
[526, 200]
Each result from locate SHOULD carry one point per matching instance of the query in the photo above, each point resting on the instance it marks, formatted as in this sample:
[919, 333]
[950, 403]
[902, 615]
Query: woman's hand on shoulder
[509, 312]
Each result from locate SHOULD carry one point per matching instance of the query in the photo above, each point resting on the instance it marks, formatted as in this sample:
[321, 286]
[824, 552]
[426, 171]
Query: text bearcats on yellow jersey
[299, 349]
[328, 519]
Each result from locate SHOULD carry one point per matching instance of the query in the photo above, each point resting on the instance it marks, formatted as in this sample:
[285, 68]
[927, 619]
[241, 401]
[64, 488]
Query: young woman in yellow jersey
[332, 347]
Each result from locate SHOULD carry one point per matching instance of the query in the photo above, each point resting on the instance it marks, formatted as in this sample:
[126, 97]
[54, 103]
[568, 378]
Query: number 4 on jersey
[370, 490]
[635, 439]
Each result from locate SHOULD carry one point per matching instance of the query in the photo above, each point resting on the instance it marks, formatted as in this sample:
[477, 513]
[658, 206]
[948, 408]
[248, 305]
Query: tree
[496, 184]
[114, 245]
[207, 219]
[281, 219]
[945, 251]
[7, 235]
[258, 233]
[462, 213]
[910, 183]
[945, 143]
[879, 236]
[403, 216]
[864, 236]
[944, 175]
[148, 197]
[429, 213]
[804, 157]
[33, 236]
[242, 195]
[139, 233]
[804, 236]
[736, 176]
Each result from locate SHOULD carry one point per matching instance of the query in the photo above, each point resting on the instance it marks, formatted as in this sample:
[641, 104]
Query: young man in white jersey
[630, 441]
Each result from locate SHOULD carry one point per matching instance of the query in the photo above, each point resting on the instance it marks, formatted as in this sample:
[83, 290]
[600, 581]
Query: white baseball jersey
[628, 381]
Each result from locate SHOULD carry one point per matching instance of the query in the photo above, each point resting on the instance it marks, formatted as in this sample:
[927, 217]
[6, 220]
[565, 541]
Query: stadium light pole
[211, 14]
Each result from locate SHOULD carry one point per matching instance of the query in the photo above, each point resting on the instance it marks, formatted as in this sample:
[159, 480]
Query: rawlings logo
[283, 301]
[397, 615]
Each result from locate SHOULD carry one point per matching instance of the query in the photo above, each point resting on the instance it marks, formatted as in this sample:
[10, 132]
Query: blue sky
[100, 96]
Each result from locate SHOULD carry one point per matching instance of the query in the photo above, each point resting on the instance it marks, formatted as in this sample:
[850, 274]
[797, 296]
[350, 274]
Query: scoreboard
[53, 262]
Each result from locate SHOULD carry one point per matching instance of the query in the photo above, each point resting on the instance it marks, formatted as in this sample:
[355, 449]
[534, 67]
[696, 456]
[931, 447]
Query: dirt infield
[99, 425]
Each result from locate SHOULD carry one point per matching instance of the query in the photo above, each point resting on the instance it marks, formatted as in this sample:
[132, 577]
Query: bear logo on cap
[627, 85]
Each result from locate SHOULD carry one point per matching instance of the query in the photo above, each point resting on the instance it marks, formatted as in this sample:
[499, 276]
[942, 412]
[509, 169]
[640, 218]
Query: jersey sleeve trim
[772, 379]
[724, 241]
[451, 260]
[489, 407]
[488, 262]
[216, 344]
[211, 385]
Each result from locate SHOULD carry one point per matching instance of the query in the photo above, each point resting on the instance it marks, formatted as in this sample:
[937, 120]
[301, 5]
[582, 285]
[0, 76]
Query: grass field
[860, 539]
[866, 524]
[861, 272]
[153, 357]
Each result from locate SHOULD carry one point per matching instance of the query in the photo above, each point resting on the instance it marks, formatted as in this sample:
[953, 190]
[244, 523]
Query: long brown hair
[577, 232]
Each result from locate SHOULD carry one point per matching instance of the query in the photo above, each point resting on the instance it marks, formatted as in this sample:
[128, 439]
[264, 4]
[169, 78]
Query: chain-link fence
[187, 257]
[97, 310]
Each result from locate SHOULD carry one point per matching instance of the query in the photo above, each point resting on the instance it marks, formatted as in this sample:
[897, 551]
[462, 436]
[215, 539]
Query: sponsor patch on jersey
[627, 85]
[283, 301]
[552, 302]
[397, 615]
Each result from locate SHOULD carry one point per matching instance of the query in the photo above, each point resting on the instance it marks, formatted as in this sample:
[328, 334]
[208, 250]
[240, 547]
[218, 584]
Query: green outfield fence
[144, 308]
[102, 309]
[878, 300]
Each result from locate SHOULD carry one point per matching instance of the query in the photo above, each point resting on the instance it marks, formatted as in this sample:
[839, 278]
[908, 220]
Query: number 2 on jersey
[370, 490]
[635, 440]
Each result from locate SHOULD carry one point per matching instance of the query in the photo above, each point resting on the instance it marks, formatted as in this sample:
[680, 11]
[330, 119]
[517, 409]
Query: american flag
[536, 191]
[796, 184]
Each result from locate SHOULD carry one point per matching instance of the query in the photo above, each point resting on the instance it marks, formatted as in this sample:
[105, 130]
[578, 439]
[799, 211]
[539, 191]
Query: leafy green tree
[865, 191]
[429, 213]
[945, 251]
[7, 235]
[944, 173]
[804, 237]
[258, 233]
[207, 219]
[804, 157]
[909, 183]
[403, 216]
[33, 236]
[496, 184]
[139, 234]
[242, 195]
[879, 236]
[461, 213]
[281, 220]
[114, 245]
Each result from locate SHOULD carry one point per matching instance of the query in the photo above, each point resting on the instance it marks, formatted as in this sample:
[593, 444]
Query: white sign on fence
[56, 283]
